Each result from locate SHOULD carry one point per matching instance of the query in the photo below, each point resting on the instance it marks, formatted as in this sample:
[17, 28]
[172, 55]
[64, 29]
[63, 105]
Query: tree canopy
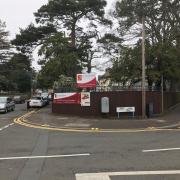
[4, 43]
[162, 25]
[66, 47]
[64, 44]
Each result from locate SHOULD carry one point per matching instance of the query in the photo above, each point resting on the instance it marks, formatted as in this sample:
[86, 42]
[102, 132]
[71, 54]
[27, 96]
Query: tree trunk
[73, 35]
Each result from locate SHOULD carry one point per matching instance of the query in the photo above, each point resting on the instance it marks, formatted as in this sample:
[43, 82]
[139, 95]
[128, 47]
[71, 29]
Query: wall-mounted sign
[66, 98]
[125, 109]
[85, 99]
[86, 80]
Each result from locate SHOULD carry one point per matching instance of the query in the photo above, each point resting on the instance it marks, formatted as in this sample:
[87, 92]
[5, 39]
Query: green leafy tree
[4, 43]
[31, 37]
[64, 84]
[19, 73]
[3, 83]
[67, 13]
[162, 25]
[58, 59]
[65, 44]
[4, 56]
[19, 62]
[126, 69]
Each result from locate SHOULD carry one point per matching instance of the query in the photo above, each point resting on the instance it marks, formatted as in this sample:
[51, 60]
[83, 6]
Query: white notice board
[125, 109]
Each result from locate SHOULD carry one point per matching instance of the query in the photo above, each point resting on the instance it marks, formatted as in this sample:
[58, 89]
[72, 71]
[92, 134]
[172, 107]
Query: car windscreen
[36, 98]
[3, 99]
[17, 97]
[44, 94]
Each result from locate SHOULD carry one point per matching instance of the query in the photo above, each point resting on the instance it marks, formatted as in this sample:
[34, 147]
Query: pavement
[45, 118]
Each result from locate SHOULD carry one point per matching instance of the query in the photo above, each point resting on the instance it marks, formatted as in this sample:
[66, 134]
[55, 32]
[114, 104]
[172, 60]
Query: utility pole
[143, 70]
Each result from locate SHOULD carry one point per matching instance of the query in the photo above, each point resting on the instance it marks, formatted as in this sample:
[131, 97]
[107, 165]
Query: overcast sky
[19, 13]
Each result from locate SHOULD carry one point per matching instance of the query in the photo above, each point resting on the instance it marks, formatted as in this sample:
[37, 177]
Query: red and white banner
[67, 98]
[86, 80]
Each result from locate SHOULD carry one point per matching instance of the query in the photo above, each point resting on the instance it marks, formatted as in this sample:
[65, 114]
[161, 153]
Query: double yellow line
[24, 122]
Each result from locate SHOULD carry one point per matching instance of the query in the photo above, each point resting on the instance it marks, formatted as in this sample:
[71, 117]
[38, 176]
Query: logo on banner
[79, 77]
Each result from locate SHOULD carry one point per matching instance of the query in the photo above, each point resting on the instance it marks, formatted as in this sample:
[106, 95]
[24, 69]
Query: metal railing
[105, 89]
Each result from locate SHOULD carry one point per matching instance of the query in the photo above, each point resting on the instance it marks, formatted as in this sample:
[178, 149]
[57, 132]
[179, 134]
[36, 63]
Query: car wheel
[6, 110]
[13, 108]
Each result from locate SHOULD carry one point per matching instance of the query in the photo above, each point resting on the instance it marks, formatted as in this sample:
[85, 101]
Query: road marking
[105, 176]
[38, 157]
[24, 122]
[158, 150]
[6, 126]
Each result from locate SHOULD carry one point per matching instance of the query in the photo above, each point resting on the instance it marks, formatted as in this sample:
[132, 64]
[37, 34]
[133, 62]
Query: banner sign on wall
[85, 99]
[86, 80]
[67, 98]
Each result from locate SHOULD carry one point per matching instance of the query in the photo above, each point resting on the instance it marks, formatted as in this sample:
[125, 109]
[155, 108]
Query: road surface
[36, 154]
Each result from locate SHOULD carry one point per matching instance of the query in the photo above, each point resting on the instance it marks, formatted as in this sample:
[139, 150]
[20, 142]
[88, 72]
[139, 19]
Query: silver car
[6, 104]
[36, 101]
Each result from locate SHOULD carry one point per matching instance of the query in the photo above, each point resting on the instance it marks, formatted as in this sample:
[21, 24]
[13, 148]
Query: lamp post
[143, 70]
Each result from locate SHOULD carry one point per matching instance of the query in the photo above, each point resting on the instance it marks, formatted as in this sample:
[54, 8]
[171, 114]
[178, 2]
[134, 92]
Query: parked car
[36, 101]
[44, 95]
[19, 99]
[50, 97]
[6, 104]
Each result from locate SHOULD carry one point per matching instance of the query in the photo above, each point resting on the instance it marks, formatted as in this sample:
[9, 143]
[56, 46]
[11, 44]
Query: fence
[113, 88]
[120, 99]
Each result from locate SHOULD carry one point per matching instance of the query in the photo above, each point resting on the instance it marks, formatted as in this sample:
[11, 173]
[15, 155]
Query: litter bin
[149, 110]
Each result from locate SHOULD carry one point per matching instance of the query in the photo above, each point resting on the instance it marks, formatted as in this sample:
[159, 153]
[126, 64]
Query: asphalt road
[34, 154]
[6, 118]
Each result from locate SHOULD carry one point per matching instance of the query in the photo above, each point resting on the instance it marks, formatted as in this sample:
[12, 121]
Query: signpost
[125, 109]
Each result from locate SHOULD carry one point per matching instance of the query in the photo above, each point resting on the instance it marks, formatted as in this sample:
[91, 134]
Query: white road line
[105, 176]
[4, 127]
[158, 150]
[38, 157]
